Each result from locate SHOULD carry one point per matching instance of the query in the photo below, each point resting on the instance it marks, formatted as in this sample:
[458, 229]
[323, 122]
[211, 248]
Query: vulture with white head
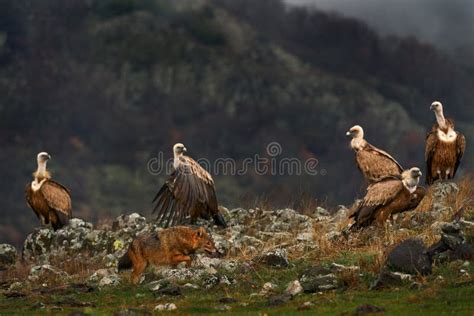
[373, 162]
[188, 193]
[444, 147]
[388, 196]
[50, 200]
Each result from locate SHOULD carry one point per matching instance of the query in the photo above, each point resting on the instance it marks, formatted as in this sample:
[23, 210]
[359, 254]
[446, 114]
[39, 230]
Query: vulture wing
[57, 196]
[376, 163]
[379, 194]
[460, 147]
[190, 185]
[430, 148]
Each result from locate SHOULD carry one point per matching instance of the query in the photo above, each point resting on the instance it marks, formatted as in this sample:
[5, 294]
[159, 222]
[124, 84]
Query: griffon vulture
[374, 163]
[388, 196]
[444, 147]
[50, 200]
[189, 192]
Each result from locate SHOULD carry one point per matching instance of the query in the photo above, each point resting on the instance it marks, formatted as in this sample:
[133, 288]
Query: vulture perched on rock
[388, 196]
[188, 193]
[50, 200]
[444, 148]
[373, 162]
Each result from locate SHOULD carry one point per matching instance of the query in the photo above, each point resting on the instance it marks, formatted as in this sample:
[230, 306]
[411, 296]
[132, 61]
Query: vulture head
[179, 149]
[437, 107]
[411, 178]
[356, 131]
[43, 157]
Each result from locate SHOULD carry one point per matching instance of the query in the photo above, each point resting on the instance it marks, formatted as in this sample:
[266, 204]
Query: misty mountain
[448, 25]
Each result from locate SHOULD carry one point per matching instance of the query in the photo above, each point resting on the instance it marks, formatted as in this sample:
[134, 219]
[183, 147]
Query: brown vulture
[444, 147]
[388, 196]
[374, 163]
[188, 193]
[50, 200]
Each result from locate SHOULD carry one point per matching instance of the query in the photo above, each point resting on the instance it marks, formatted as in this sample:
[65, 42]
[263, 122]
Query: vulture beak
[49, 156]
[432, 107]
[184, 149]
[349, 134]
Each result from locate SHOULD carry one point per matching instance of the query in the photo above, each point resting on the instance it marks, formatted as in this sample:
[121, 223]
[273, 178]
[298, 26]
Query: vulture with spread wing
[50, 200]
[444, 148]
[388, 196]
[373, 162]
[189, 193]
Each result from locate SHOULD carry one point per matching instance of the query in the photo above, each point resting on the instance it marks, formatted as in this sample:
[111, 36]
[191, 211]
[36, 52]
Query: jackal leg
[139, 264]
[178, 258]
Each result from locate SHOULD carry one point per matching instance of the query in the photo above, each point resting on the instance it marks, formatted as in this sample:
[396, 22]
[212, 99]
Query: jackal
[170, 246]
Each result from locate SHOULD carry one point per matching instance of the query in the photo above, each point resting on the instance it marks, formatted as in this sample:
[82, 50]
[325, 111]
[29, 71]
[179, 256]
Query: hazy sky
[446, 23]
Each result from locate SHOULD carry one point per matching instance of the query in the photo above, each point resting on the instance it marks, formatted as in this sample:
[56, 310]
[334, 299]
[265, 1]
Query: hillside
[105, 86]
[274, 261]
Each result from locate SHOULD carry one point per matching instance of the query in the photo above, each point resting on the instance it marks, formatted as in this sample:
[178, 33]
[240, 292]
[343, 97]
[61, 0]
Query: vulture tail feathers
[219, 220]
[61, 220]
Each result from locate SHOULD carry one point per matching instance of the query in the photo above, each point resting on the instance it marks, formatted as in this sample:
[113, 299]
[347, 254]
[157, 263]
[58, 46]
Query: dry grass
[18, 272]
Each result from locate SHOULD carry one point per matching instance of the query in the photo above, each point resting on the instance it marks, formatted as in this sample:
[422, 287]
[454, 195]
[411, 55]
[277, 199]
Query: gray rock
[46, 272]
[410, 257]
[268, 288]
[318, 279]
[321, 212]
[276, 258]
[8, 256]
[168, 290]
[110, 280]
[165, 307]
[387, 279]
[335, 267]
[294, 288]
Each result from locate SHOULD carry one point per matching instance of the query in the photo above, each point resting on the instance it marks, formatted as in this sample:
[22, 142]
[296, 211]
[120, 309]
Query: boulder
[8, 256]
[410, 256]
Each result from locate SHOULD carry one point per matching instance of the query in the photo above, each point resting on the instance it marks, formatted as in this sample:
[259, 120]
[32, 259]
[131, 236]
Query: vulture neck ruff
[36, 185]
[41, 175]
[410, 184]
[447, 137]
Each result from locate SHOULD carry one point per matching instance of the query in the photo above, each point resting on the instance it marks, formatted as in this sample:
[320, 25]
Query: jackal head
[203, 240]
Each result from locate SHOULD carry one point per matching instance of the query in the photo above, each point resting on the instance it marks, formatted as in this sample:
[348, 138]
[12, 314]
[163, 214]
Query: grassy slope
[446, 298]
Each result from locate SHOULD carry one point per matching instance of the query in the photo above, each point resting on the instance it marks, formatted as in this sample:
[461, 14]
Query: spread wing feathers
[382, 192]
[189, 187]
[57, 197]
[460, 147]
[376, 163]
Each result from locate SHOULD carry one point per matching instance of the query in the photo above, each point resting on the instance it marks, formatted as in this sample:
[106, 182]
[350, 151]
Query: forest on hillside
[105, 86]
